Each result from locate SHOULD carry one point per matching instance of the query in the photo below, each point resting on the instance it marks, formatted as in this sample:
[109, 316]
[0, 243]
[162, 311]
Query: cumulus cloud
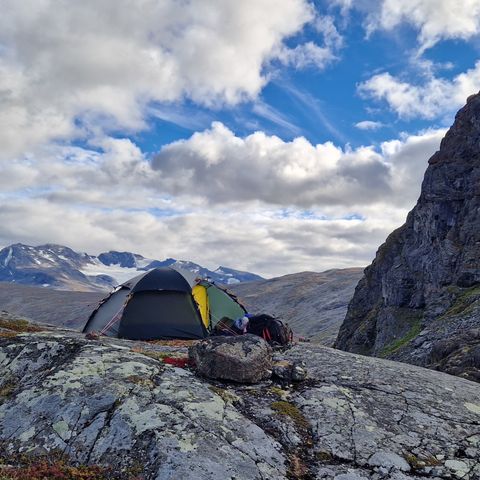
[222, 167]
[217, 167]
[437, 96]
[369, 125]
[434, 20]
[66, 68]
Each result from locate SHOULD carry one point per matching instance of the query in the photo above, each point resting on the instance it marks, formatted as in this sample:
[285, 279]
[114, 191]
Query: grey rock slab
[382, 415]
[389, 460]
[353, 416]
[105, 405]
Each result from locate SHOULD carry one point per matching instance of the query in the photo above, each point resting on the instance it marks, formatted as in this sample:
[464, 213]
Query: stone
[425, 278]
[243, 358]
[350, 476]
[458, 467]
[389, 460]
[288, 372]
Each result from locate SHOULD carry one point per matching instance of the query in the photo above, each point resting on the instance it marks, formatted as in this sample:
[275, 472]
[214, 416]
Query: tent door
[199, 293]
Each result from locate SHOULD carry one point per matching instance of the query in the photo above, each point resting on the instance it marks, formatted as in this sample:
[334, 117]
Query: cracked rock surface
[353, 418]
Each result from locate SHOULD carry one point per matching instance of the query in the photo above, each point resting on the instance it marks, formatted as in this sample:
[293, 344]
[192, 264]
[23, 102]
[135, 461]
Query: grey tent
[163, 303]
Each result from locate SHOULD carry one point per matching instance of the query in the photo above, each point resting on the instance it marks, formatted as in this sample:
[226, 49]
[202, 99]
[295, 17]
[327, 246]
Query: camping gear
[271, 329]
[163, 303]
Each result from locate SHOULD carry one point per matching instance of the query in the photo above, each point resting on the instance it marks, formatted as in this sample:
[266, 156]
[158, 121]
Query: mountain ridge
[60, 267]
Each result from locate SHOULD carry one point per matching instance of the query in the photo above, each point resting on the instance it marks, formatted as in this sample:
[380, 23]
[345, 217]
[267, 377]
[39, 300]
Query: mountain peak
[61, 267]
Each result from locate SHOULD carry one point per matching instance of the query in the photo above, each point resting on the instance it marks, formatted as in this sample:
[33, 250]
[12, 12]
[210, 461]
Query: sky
[273, 136]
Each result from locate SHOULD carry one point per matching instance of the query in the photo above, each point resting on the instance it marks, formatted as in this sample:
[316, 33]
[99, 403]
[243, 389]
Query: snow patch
[120, 274]
[9, 256]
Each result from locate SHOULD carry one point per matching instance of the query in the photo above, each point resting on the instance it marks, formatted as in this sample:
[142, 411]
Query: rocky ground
[116, 402]
[46, 305]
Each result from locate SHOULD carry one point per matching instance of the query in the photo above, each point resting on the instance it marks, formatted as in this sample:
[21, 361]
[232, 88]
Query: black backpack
[270, 329]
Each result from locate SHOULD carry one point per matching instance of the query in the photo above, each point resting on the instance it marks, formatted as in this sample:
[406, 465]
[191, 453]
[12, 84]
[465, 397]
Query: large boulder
[243, 359]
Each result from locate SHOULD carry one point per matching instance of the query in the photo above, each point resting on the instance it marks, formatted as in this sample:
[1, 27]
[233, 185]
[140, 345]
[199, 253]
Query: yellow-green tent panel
[199, 293]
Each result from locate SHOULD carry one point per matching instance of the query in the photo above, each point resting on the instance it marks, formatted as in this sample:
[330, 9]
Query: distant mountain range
[62, 268]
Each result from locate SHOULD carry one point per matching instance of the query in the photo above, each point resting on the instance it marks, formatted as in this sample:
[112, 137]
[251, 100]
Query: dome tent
[163, 303]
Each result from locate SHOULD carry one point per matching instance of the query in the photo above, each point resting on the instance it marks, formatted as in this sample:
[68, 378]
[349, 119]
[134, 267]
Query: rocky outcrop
[115, 402]
[243, 358]
[424, 284]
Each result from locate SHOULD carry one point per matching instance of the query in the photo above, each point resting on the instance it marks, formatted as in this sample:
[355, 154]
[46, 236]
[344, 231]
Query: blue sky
[337, 106]
[271, 136]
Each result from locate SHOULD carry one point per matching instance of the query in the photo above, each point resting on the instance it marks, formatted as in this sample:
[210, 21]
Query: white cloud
[435, 20]
[307, 55]
[232, 238]
[221, 167]
[369, 125]
[310, 54]
[218, 198]
[69, 68]
[434, 98]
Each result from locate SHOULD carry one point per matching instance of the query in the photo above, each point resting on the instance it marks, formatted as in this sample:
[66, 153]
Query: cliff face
[425, 278]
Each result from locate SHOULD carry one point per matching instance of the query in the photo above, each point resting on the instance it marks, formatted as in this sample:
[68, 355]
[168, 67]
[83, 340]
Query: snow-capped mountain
[62, 268]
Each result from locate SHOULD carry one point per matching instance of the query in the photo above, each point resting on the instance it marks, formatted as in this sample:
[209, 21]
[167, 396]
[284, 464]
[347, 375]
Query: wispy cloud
[369, 125]
[178, 114]
[313, 105]
[273, 115]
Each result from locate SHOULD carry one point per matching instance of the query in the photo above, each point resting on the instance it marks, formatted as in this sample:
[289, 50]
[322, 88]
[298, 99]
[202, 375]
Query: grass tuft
[20, 325]
[290, 410]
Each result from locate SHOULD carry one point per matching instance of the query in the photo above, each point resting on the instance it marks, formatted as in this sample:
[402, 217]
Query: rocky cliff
[114, 409]
[418, 300]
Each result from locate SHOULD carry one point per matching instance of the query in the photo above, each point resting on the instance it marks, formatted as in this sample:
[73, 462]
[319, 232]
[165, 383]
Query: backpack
[270, 329]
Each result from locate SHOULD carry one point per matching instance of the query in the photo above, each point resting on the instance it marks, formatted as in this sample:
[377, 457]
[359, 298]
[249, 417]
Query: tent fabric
[110, 307]
[145, 313]
[222, 304]
[162, 279]
[199, 293]
[161, 303]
